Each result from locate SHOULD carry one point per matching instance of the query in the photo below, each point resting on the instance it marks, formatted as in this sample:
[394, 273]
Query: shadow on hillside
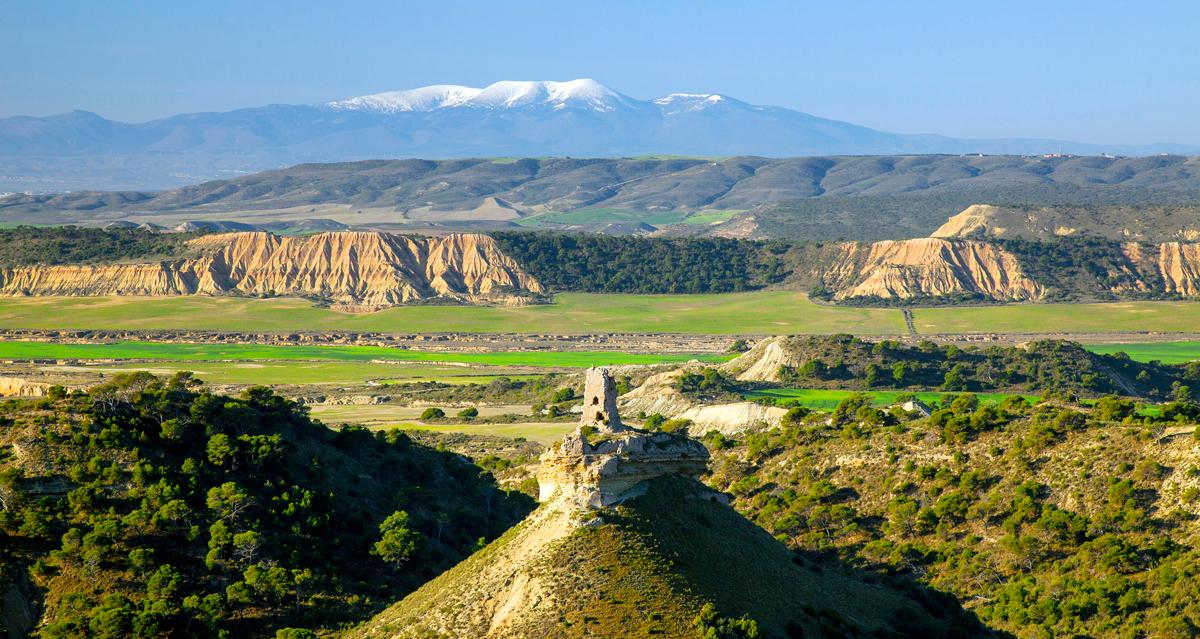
[743, 570]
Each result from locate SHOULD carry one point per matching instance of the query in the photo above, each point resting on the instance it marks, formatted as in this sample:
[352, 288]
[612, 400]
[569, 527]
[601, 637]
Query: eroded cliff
[351, 270]
[928, 267]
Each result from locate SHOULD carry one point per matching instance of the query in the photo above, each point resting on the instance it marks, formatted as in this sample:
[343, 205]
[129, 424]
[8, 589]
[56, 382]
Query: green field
[304, 372]
[1060, 318]
[258, 352]
[1165, 352]
[821, 399]
[765, 312]
[761, 312]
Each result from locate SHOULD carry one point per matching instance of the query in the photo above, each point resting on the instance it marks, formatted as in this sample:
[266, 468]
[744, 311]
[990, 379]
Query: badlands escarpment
[928, 267]
[1178, 265]
[352, 270]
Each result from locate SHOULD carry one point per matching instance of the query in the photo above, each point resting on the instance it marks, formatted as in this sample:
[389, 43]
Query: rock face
[352, 270]
[21, 387]
[974, 221]
[1179, 267]
[595, 472]
[603, 462]
[929, 267]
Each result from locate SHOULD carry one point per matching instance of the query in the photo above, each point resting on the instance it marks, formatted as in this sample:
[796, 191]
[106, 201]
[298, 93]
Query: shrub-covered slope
[1048, 521]
[148, 507]
[845, 361]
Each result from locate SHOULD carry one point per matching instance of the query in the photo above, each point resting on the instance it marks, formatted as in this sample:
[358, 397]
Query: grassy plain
[1110, 317]
[766, 312]
[369, 354]
[760, 312]
[1165, 352]
[303, 372]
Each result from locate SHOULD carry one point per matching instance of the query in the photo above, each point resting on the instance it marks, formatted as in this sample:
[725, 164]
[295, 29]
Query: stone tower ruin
[600, 402]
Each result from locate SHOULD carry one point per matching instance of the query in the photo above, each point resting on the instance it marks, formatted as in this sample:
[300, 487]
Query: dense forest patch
[31, 245]
[151, 507]
[614, 264]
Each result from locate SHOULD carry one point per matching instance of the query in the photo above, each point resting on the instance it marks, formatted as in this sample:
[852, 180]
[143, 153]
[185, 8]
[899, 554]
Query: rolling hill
[865, 198]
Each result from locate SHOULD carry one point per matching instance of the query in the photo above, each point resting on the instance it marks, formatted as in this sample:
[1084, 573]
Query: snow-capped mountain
[580, 118]
[583, 94]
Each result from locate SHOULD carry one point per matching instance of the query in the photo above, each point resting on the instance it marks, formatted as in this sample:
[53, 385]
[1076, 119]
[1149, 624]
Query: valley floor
[756, 313]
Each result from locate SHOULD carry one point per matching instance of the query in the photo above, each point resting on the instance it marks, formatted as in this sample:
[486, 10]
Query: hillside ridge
[628, 543]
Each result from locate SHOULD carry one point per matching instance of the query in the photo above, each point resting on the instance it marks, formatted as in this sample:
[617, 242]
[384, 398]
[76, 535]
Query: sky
[1098, 71]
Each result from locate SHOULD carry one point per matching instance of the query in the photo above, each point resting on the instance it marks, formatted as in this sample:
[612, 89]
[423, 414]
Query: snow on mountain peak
[683, 102]
[428, 98]
[582, 93]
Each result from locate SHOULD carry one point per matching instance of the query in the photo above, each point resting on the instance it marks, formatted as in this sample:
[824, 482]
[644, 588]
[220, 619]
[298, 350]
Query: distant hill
[1128, 223]
[580, 118]
[867, 198]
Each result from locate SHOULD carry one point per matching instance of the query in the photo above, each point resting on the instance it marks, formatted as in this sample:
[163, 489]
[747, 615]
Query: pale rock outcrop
[21, 387]
[603, 462]
[353, 270]
[975, 220]
[760, 363]
[658, 394]
[929, 267]
[731, 419]
[1179, 267]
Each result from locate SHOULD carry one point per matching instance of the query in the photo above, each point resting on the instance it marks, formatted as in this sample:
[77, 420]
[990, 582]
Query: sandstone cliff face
[1179, 267]
[21, 387]
[609, 470]
[929, 267]
[353, 270]
[974, 221]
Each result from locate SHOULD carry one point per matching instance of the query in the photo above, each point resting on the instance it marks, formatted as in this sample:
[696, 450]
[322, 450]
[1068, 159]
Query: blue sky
[1116, 72]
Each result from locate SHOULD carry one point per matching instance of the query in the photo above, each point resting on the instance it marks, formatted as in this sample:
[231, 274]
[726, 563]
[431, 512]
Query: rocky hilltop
[350, 270]
[626, 543]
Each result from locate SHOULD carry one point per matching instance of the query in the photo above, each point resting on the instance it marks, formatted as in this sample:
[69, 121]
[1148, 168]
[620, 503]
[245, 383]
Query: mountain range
[580, 118]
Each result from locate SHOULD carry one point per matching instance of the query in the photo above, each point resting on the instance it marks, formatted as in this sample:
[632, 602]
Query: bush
[468, 413]
[432, 413]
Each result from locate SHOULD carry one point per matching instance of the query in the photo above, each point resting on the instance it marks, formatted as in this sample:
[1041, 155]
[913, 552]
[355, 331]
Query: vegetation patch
[150, 507]
[1047, 520]
[249, 352]
[30, 245]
